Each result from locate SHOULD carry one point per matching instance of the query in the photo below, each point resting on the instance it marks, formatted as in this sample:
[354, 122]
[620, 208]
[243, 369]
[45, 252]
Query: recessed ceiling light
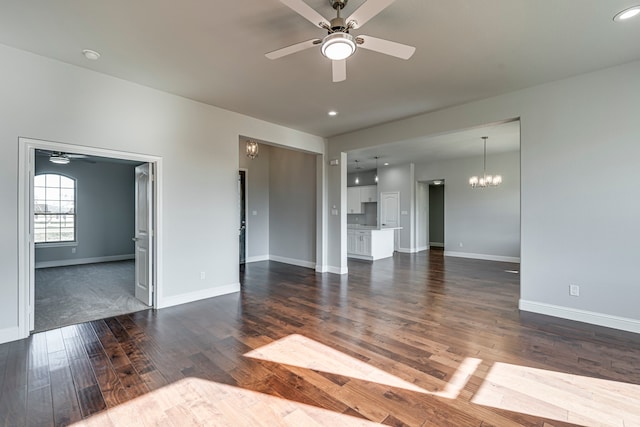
[627, 14]
[386, 163]
[437, 182]
[91, 54]
[332, 113]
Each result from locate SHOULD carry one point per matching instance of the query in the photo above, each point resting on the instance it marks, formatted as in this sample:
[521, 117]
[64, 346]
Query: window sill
[55, 244]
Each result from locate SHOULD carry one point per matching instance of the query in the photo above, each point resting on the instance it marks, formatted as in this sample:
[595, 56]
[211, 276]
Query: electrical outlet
[460, 244]
[73, 250]
[574, 290]
[202, 275]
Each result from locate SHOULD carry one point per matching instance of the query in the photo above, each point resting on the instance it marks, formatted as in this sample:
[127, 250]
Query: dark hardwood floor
[415, 340]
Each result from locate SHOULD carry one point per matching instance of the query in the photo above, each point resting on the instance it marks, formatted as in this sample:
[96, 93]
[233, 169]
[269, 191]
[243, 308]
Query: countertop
[370, 227]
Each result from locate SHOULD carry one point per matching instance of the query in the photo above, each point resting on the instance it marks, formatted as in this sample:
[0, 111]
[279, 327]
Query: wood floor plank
[414, 340]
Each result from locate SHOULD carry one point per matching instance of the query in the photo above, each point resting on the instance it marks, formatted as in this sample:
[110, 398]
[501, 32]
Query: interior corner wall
[292, 206]
[480, 222]
[579, 162]
[105, 215]
[257, 201]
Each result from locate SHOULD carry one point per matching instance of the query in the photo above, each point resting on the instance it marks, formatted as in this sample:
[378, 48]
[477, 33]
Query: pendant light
[377, 157]
[357, 181]
[485, 180]
[252, 149]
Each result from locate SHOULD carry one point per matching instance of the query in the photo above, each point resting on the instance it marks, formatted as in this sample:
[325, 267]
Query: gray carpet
[80, 293]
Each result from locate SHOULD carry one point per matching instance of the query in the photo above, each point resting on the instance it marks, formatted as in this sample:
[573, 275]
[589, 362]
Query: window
[54, 208]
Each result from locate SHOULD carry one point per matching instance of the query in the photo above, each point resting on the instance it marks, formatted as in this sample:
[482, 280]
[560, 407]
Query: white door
[144, 233]
[390, 209]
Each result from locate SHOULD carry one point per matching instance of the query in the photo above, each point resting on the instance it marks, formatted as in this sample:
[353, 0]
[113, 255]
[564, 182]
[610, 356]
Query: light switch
[254, 213]
[334, 211]
[404, 213]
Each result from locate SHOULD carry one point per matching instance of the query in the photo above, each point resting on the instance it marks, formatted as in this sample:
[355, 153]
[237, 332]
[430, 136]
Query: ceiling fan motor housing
[338, 4]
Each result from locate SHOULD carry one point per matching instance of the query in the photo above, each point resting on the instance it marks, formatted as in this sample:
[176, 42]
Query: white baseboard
[422, 248]
[337, 270]
[292, 261]
[80, 261]
[407, 250]
[9, 334]
[257, 258]
[217, 291]
[482, 256]
[436, 244]
[363, 257]
[322, 268]
[600, 319]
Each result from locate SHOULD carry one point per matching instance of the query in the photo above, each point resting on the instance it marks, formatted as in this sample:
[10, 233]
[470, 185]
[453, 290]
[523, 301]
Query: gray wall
[579, 151]
[436, 214]
[400, 178]
[282, 192]
[364, 178]
[485, 221]
[292, 205]
[105, 210]
[257, 199]
[198, 144]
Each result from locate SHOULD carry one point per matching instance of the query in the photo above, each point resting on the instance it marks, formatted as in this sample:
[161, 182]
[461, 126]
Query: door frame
[26, 246]
[396, 233]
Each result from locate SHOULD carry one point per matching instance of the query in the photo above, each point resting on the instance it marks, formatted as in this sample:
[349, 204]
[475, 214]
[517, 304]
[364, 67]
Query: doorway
[436, 215]
[242, 208]
[147, 230]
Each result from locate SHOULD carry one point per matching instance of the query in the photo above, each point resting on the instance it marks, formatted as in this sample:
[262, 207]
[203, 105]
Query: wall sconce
[252, 149]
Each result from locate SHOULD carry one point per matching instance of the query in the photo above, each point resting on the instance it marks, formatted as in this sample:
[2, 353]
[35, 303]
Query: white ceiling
[214, 51]
[503, 137]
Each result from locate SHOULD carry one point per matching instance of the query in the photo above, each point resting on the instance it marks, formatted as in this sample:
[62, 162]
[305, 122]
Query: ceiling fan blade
[387, 47]
[368, 10]
[307, 12]
[292, 49]
[339, 69]
[76, 156]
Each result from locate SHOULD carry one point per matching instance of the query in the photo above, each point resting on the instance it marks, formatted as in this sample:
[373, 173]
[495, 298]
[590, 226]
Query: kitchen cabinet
[370, 244]
[356, 196]
[354, 205]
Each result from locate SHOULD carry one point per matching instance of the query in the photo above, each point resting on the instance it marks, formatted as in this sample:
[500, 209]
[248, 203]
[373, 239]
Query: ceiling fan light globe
[338, 46]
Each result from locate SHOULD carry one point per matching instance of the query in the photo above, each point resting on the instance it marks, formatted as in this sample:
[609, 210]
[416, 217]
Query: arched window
[54, 207]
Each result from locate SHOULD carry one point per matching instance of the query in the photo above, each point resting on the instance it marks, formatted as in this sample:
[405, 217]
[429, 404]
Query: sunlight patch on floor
[560, 396]
[297, 350]
[194, 401]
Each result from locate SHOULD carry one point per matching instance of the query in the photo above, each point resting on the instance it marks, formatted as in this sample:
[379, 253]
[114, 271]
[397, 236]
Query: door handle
[135, 239]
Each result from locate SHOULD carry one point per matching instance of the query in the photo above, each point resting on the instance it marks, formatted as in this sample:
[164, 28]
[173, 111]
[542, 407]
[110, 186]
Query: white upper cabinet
[369, 193]
[356, 196]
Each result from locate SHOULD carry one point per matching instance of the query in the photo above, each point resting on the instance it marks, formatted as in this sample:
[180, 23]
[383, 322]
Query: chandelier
[485, 180]
[252, 149]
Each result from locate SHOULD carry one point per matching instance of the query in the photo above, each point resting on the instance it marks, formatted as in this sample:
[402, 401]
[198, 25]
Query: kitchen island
[370, 242]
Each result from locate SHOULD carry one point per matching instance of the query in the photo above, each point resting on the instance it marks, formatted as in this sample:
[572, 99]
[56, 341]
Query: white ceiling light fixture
[627, 13]
[91, 54]
[332, 113]
[485, 180]
[338, 46]
[386, 163]
[252, 149]
[59, 159]
[437, 182]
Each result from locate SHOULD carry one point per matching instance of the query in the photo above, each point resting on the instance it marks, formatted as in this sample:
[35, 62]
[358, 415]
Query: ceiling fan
[339, 44]
[60, 158]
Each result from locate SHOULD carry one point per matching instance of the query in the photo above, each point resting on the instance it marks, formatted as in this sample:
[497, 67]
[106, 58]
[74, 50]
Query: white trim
[9, 334]
[257, 258]
[422, 248]
[79, 261]
[337, 270]
[322, 268]
[364, 257]
[217, 291]
[407, 250]
[600, 319]
[482, 256]
[436, 244]
[292, 261]
[26, 255]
